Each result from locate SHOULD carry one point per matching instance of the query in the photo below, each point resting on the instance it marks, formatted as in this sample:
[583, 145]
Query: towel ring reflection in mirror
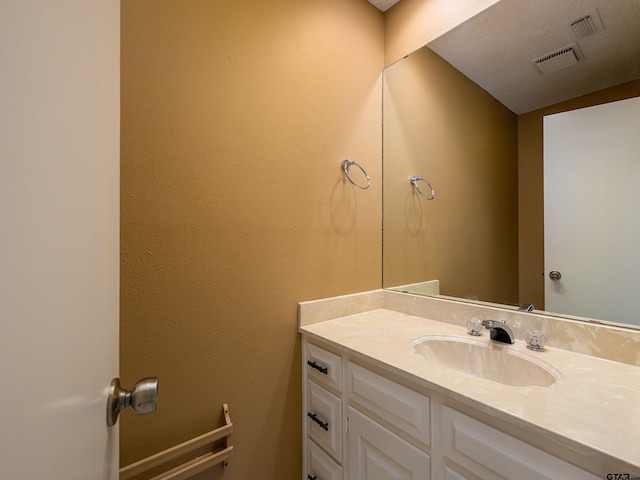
[414, 182]
[346, 165]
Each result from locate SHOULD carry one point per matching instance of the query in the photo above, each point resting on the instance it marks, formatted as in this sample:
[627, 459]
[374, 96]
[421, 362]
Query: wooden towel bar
[191, 467]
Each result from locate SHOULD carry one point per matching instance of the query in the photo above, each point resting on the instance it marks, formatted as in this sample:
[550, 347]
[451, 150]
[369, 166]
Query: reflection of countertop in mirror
[593, 409]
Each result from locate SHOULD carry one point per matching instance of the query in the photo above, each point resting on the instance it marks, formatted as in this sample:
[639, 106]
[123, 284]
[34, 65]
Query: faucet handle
[536, 340]
[474, 327]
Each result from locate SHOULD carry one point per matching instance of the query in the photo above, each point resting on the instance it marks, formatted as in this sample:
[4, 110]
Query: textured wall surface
[441, 126]
[235, 118]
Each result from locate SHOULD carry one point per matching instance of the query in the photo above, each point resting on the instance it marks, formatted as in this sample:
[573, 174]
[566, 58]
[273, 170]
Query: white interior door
[592, 211]
[59, 237]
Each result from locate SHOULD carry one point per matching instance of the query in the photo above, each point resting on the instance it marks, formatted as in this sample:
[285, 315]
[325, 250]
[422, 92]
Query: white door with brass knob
[59, 238]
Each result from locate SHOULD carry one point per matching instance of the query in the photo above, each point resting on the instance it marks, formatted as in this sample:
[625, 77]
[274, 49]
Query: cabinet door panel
[375, 453]
[494, 455]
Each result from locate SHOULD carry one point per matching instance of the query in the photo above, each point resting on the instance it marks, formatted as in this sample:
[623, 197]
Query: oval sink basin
[490, 361]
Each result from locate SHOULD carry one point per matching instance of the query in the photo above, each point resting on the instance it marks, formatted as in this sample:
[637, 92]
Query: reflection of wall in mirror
[440, 125]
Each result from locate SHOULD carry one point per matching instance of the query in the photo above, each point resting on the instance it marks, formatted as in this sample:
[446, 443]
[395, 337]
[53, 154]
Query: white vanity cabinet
[323, 414]
[366, 427]
[361, 424]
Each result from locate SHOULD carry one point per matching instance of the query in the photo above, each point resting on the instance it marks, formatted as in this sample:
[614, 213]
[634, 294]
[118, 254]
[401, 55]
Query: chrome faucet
[499, 331]
[527, 307]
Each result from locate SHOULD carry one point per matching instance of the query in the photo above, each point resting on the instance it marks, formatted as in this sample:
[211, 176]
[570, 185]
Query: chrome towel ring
[346, 165]
[414, 182]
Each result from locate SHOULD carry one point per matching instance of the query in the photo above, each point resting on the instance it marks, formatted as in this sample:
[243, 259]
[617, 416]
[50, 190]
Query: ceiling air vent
[554, 61]
[583, 27]
[587, 25]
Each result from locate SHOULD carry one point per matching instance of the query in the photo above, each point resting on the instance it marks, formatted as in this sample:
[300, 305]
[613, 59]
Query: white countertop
[596, 403]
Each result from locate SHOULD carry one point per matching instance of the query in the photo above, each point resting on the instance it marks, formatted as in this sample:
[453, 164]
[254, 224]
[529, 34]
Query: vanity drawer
[321, 466]
[324, 367]
[399, 407]
[324, 419]
[494, 455]
[450, 474]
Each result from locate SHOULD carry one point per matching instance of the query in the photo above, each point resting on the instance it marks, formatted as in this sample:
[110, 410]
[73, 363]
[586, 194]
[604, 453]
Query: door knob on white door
[142, 399]
[555, 275]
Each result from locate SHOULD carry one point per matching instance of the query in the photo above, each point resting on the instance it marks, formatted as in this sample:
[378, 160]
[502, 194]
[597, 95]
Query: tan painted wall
[530, 185]
[410, 24]
[442, 126]
[235, 118]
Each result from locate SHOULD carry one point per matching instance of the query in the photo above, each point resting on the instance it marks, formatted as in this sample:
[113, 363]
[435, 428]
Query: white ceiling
[495, 49]
[384, 5]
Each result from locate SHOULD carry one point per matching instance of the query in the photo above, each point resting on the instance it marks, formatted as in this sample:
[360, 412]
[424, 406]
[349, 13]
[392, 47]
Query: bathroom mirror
[466, 113]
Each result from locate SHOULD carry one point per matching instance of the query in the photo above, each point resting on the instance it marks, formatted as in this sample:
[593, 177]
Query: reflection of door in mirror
[592, 221]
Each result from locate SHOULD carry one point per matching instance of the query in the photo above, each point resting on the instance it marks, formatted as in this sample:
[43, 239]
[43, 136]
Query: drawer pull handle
[324, 370]
[314, 417]
[309, 477]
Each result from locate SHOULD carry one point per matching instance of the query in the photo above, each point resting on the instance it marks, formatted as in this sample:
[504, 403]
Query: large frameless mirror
[479, 113]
